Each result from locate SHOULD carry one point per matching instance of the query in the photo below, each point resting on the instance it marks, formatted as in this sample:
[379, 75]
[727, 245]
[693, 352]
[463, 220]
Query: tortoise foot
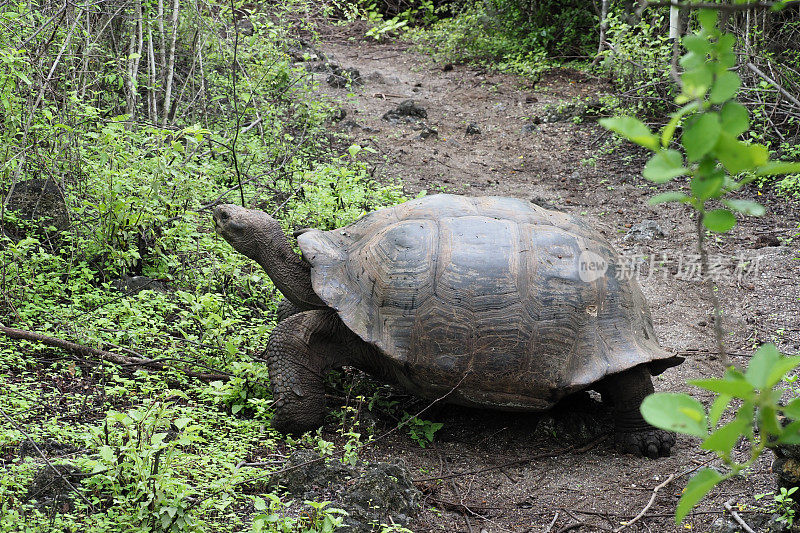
[288, 423]
[652, 443]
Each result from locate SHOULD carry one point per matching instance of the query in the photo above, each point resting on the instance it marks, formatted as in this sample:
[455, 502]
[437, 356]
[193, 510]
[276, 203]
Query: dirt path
[562, 164]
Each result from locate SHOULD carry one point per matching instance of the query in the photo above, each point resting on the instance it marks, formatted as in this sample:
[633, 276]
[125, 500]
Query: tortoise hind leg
[632, 434]
[301, 350]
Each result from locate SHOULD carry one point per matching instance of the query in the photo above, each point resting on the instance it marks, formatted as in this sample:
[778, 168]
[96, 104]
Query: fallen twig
[736, 516]
[88, 351]
[552, 523]
[649, 504]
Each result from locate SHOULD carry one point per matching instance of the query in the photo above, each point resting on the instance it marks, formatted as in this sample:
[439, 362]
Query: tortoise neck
[288, 271]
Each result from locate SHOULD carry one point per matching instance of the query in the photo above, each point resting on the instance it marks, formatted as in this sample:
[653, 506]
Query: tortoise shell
[495, 297]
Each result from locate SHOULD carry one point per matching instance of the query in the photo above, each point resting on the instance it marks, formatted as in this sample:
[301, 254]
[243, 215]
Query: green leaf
[675, 412]
[790, 434]
[705, 187]
[697, 81]
[725, 87]
[735, 388]
[697, 44]
[719, 220]
[692, 60]
[792, 409]
[707, 18]
[669, 130]
[780, 368]
[761, 365]
[768, 421]
[664, 166]
[738, 156]
[107, 454]
[747, 207]
[701, 135]
[700, 484]
[778, 167]
[725, 43]
[664, 197]
[725, 438]
[632, 129]
[717, 408]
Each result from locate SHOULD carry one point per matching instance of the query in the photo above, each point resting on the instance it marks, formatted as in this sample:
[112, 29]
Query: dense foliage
[143, 116]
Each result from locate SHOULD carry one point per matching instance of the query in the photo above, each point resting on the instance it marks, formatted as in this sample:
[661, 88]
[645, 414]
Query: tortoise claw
[652, 443]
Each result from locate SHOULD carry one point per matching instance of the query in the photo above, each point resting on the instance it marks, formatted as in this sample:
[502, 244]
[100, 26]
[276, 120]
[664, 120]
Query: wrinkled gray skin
[310, 340]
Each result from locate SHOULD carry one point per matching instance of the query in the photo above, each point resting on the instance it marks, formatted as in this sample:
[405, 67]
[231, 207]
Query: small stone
[644, 231]
[473, 129]
[406, 111]
[343, 77]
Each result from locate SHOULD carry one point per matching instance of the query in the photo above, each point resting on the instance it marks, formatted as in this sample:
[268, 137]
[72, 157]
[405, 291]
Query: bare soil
[568, 166]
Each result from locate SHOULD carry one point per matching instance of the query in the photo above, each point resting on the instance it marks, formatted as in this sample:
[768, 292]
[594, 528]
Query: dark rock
[407, 111]
[343, 77]
[767, 239]
[371, 493]
[427, 132]
[304, 51]
[51, 486]
[350, 125]
[40, 201]
[383, 490]
[379, 78]
[49, 447]
[306, 472]
[646, 230]
[473, 129]
[136, 284]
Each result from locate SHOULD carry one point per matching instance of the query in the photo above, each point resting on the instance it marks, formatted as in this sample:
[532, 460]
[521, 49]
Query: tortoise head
[249, 231]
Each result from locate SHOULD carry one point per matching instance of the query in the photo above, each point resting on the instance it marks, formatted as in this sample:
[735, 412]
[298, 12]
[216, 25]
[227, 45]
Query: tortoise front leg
[286, 309]
[301, 350]
[632, 434]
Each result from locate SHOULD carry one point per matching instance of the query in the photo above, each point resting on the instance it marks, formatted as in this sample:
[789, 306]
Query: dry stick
[649, 504]
[234, 68]
[152, 99]
[603, 27]
[46, 460]
[104, 355]
[712, 294]
[61, 13]
[736, 516]
[134, 58]
[552, 523]
[176, 7]
[783, 91]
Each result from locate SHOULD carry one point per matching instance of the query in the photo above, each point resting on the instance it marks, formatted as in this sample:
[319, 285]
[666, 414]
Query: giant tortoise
[488, 302]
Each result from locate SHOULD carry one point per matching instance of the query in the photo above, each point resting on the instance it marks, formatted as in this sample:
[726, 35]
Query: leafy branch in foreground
[717, 163]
